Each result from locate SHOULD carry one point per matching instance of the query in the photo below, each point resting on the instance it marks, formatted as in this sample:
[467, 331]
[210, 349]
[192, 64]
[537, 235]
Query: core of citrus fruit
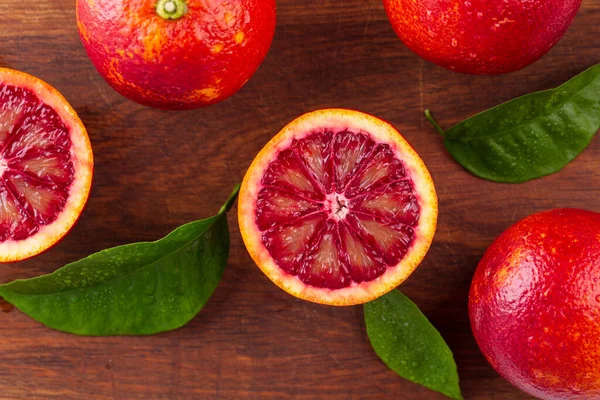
[535, 304]
[337, 208]
[176, 54]
[46, 166]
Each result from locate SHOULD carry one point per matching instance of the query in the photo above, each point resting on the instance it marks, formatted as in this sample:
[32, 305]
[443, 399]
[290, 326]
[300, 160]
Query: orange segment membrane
[337, 209]
[276, 207]
[36, 169]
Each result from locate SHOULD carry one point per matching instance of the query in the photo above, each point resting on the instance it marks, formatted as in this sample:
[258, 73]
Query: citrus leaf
[136, 289]
[409, 345]
[531, 136]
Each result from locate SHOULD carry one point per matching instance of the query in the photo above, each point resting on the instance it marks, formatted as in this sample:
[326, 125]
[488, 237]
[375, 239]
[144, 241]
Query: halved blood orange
[337, 208]
[46, 166]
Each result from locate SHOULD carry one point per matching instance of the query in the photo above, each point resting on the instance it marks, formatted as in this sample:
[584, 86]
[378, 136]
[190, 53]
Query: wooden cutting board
[156, 170]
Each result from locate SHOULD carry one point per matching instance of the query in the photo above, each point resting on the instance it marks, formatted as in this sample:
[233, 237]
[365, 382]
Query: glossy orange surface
[535, 304]
[481, 36]
[199, 59]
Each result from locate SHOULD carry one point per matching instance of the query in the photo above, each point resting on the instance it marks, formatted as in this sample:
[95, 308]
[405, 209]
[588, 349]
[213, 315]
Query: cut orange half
[337, 208]
[46, 166]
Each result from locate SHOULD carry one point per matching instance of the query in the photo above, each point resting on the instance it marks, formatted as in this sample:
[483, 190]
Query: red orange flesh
[46, 166]
[535, 304]
[337, 208]
[199, 59]
[481, 36]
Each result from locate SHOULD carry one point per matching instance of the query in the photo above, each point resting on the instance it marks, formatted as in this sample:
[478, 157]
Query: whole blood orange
[481, 36]
[535, 304]
[176, 54]
[337, 208]
[46, 166]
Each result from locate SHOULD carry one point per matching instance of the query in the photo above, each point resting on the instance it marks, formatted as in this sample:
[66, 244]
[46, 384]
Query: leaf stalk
[434, 123]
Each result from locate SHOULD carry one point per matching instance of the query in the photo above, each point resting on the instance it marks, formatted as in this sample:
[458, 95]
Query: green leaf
[407, 343]
[136, 289]
[530, 136]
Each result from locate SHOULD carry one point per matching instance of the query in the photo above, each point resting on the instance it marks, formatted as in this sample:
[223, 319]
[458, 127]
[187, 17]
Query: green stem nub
[171, 9]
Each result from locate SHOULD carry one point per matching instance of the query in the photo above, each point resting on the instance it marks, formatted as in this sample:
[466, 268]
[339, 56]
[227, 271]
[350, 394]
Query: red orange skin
[197, 60]
[535, 304]
[481, 36]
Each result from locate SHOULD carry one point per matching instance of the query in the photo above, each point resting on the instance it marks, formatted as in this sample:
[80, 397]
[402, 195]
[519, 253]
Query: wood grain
[156, 170]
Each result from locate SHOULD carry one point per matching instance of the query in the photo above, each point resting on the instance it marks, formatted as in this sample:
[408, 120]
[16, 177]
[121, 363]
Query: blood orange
[46, 166]
[176, 54]
[481, 36]
[535, 304]
[337, 208]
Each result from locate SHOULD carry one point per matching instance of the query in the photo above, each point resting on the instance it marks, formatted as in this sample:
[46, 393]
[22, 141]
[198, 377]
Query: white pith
[336, 206]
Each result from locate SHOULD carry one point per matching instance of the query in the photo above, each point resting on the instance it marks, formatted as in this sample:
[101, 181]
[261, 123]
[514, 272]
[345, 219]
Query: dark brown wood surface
[156, 170]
